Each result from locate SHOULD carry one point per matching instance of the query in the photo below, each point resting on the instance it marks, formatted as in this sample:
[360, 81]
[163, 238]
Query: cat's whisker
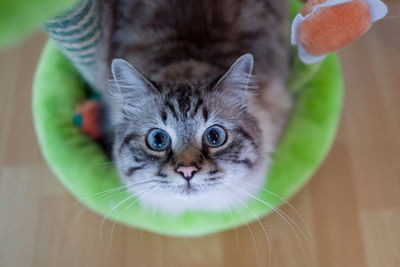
[107, 193]
[124, 187]
[112, 209]
[230, 211]
[150, 210]
[250, 231]
[262, 227]
[283, 216]
[78, 202]
[104, 194]
[308, 236]
[108, 213]
[137, 200]
[85, 208]
[105, 163]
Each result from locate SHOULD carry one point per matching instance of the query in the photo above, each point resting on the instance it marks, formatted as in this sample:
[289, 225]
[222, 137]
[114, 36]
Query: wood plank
[352, 204]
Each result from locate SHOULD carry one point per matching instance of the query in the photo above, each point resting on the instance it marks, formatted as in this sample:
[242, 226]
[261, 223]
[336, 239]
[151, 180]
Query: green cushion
[20, 17]
[80, 164]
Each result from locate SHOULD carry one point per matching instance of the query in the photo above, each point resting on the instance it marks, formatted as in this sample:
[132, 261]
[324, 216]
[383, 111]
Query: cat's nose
[187, 171]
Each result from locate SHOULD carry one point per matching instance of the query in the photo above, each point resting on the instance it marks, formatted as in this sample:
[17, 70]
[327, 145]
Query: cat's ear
[237, 82]
[130, 83]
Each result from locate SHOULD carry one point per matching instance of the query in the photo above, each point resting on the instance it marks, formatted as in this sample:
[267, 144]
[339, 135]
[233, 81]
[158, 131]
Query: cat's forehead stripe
[197, 106]
[164, 116]
[171, 107]
[205, 114]
[184, 100]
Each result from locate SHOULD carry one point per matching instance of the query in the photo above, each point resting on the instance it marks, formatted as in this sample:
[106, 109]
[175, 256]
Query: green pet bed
[81, 165]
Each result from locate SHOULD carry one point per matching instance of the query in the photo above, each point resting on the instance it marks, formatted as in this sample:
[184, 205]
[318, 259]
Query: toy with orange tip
[88, 118]
[325, 26]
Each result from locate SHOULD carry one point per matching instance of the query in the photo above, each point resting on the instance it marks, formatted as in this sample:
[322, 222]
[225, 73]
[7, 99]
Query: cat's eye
[215, 136]
[158, 140]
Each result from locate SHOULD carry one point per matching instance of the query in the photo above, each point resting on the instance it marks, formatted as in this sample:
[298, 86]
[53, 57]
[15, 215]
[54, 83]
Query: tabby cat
[196, 98]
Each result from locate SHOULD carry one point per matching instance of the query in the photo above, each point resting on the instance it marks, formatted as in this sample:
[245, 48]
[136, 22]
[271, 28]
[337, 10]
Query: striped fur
[78, 34]
[184, 82]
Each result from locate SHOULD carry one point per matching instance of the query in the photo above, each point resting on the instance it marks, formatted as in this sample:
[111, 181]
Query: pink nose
[187, 171]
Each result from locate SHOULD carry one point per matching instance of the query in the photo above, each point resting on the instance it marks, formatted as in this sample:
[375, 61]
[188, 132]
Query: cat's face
[188, 146]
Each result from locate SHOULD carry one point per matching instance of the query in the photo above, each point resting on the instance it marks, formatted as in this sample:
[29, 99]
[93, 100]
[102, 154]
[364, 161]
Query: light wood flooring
[351, 206]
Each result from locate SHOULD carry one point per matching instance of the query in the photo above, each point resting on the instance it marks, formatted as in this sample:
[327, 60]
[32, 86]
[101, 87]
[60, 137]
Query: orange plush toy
[325, 26]
[87, 118]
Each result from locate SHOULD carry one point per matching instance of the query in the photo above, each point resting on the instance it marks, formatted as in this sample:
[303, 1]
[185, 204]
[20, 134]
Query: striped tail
[78, 34]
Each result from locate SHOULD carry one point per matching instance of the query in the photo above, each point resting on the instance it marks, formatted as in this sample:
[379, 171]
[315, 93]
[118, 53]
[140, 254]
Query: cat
[195, 97]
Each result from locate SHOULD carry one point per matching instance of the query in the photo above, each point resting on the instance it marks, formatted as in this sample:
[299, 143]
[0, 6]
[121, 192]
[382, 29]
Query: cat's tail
[78, 34]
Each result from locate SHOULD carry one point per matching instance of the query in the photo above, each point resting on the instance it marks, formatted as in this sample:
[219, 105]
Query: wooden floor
[351, 206]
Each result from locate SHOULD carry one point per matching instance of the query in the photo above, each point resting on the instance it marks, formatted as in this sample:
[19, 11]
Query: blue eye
[158, 140]
[215, 136]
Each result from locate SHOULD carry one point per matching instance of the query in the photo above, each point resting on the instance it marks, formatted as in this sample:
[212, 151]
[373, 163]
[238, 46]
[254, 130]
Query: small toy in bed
[88, 118]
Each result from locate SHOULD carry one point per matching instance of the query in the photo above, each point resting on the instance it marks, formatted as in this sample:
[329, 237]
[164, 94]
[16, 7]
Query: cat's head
[191, 146]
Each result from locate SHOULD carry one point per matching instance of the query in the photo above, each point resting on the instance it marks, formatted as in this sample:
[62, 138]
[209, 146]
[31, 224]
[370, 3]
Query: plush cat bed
[18, 18]
[81, 165]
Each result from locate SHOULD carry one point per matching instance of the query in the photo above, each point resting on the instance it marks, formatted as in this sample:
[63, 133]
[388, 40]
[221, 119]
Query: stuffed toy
[87, 118]
[325, 26]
